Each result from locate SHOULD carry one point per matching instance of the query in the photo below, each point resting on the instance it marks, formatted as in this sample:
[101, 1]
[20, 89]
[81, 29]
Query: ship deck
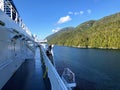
[29, 76]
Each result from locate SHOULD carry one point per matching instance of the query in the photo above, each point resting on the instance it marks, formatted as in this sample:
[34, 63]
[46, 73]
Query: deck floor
[29, 76]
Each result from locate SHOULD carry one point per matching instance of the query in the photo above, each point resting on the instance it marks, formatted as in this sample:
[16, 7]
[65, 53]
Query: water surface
[94, 69]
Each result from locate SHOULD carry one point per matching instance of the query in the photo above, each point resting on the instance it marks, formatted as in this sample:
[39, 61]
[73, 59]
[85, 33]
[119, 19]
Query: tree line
[103, 33]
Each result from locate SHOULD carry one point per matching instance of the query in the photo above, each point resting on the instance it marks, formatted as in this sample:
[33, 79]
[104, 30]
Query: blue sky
[44, 17]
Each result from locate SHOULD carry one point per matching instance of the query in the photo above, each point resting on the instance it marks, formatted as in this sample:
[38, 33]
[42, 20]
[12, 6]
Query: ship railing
[12, 26]
[55, 80]
[14, 13]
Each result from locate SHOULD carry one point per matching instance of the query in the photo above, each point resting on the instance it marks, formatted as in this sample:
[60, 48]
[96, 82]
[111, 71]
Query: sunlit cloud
[64, 19]
[70, 12]
[89, 11]
[56, 29]
[76, 13]
[81, 12]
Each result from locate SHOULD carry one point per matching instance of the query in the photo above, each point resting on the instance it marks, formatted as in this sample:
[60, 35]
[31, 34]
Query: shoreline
[90, 47]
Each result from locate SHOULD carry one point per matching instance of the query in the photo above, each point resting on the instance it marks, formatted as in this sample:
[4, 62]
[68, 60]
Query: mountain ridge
[102, 33]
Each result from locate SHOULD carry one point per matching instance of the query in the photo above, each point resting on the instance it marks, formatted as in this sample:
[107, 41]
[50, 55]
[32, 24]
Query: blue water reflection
[95, 69]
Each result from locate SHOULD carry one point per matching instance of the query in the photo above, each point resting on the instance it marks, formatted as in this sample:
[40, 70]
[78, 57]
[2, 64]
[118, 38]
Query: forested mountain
[60, 32]
[102, 33]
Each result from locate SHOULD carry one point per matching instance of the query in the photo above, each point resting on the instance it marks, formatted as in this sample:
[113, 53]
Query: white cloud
[89, 11]
[70, 12]
[76, 13]
[81, 12]
[64, 19]
[56, 30]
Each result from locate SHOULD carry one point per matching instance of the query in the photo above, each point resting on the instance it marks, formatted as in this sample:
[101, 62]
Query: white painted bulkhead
[12, 54]
[15, 46]
[2, 5]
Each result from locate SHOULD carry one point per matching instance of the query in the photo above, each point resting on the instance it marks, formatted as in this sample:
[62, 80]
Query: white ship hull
[17, 44]
[15, 47]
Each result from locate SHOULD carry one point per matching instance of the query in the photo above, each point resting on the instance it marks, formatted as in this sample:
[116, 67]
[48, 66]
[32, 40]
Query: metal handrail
[55, 79]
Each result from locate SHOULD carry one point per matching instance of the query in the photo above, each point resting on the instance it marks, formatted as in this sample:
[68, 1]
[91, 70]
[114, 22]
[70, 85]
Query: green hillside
[102, 33]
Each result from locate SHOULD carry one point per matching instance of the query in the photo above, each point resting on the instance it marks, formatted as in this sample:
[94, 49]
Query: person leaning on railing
[49, 53]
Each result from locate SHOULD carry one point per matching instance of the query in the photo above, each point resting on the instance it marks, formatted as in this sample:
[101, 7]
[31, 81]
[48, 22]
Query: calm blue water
[94, 69]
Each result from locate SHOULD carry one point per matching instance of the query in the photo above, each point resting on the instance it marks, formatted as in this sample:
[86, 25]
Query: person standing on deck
[49, 53]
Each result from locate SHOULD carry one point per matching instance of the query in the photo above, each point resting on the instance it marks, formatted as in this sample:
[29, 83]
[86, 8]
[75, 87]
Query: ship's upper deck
[29, 76]
[8, 7]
